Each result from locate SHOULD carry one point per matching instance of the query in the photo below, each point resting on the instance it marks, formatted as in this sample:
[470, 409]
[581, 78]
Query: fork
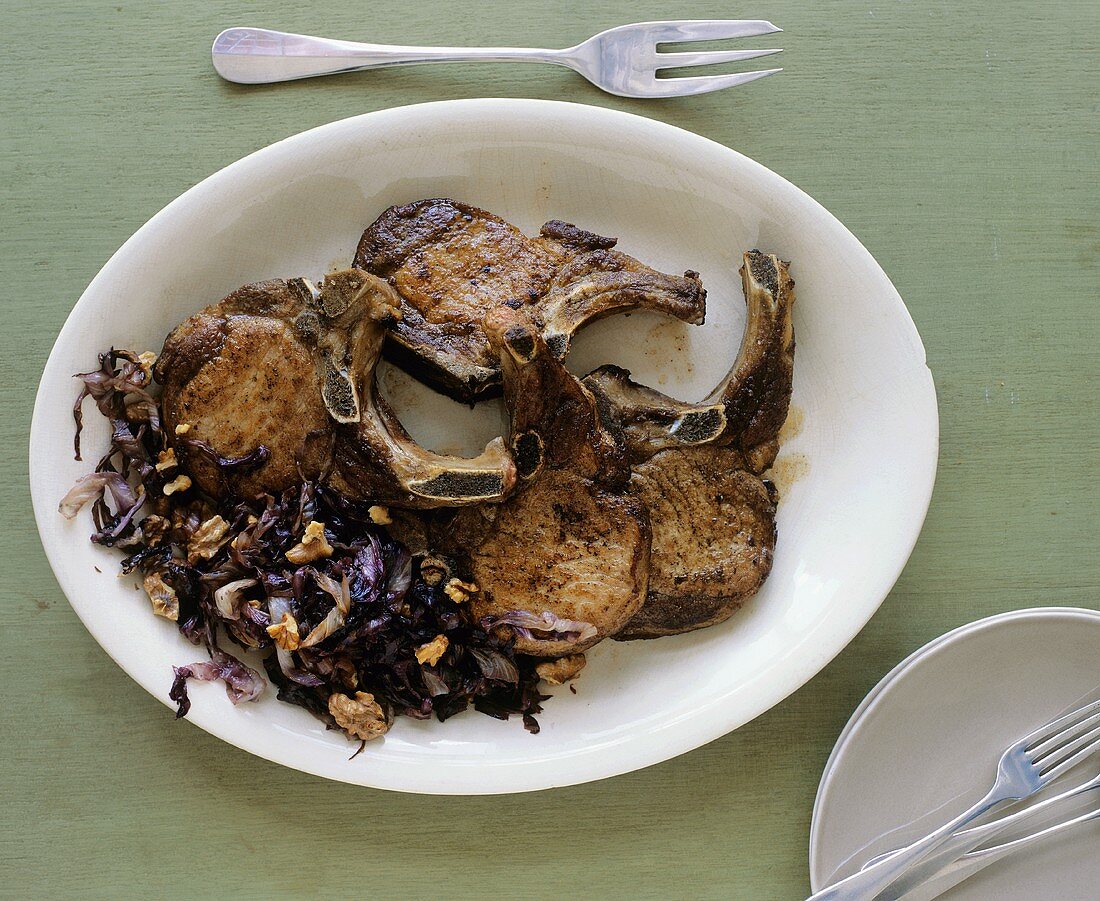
[623, 60]
[1025, 767]
[969, 864]
[946, 858]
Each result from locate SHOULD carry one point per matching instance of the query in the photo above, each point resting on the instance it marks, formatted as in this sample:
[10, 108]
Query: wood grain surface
[958, 140]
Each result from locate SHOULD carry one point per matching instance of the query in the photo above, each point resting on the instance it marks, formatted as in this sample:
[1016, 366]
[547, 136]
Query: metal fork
[622, 60]
[1025, 767]
[956, 857]
[976, 861]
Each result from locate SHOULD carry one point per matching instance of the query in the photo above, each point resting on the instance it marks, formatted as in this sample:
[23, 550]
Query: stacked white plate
[924, 745]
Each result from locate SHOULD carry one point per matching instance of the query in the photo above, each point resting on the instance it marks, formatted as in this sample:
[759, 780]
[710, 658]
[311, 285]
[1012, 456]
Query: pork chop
[451, 263]
[563, 562]
[275, 384]
[713, 538]
[697, 467]
[747, 408]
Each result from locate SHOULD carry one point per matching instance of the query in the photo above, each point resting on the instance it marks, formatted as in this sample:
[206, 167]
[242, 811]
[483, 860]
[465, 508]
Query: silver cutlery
[623, 60]
[946, 860]
[975, 861]
[1031, 763]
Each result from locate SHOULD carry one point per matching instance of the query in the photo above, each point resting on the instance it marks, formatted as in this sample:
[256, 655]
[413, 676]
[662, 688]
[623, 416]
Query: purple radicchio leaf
[547, 627]
[241, 465]
[242, 683]
[494, 665]
[276, 607]
[365, 571]
[92, 487]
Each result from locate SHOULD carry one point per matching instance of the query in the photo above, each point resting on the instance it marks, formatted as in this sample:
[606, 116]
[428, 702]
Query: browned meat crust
[747, 409]
[696, 467]
[713, 539]
[291, 367]
[451, 263]
[236, 375]
[570, 540]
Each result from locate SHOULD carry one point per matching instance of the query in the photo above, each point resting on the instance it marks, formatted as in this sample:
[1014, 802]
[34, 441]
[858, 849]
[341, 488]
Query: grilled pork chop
[290, 367]
[713, 538]
[696, 467]
[451, 263]
[747, 409]
[570, 547]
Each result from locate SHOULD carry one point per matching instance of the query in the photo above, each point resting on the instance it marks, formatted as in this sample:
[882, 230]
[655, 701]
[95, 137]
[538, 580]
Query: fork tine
[702, 84]
[706, 29]
[1051, 745]
[1078, 750]
[1055, 726]
[708, 58]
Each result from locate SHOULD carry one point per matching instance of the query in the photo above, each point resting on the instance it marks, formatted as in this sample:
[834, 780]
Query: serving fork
[1026, 766]
[623, 60]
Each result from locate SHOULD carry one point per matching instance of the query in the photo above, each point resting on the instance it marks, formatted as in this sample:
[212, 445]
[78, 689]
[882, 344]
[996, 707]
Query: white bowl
[860, 469]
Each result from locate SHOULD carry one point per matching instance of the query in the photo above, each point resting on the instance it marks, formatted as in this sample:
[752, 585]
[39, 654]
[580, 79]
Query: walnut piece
[434, 571]
[459, 591]
[207, 539]
[163, 596]
[183, 428]
[431, 652]
[312, 546]
[179, 483]
[361, 716]
[380, 516]
[285, 633]
[562, 670]
[166, 460]
[154, 528]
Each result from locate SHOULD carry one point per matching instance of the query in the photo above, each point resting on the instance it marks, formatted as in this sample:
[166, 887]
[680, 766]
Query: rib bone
[291, 366]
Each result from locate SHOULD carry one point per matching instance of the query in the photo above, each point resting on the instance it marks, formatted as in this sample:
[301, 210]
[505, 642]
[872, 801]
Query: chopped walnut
[147, 360]
[163, 596]
[380, 516]
[433, 571]
[207, 539]
[285, 633]
[562, 670]
[459, 591]
[361, 716]
[183, 428]
[179, 483]
[180, 517]
[154, 528]
[432, 651]
[166, 460]
[312, 546]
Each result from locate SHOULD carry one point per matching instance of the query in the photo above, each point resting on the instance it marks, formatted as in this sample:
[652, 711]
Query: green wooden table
[957, 140]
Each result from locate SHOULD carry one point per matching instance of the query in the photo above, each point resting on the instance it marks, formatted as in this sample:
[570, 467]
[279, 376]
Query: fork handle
[262, 56]
[913, 886]
[869, 883]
